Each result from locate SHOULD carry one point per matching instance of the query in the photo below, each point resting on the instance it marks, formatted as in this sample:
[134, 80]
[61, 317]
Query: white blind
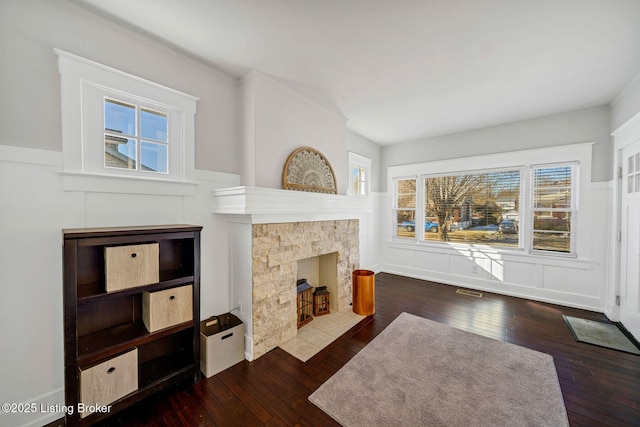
[554, 208]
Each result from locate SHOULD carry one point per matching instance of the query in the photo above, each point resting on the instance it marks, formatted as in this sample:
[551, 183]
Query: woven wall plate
[308, 170]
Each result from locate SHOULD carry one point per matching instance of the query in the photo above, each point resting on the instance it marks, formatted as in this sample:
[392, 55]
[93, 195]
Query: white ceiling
[409, 69]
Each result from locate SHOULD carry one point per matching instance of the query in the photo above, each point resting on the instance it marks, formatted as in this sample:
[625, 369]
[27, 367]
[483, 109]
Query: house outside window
[135, 137]
[473, 208]
[531, 207]
[554, 207]
[359, 175]
[405, 207]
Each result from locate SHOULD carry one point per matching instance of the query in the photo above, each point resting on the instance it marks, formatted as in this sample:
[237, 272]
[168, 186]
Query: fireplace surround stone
[276, 248]
[258, 218]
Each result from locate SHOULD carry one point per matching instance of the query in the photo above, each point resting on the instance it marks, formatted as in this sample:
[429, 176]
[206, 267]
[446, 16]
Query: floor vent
[469, 293]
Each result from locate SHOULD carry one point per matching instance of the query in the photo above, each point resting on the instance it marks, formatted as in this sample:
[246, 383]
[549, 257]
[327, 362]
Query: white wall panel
[432, 261]
[400, 257]
[106, 210]
[36, 205]
[30, 285]
[572, 280]
[525, 274]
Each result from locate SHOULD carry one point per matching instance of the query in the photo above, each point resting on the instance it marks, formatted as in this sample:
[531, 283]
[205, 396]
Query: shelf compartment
[142, 393]
[109, 381]
[160, 358]
[103, 344]
[90, 292]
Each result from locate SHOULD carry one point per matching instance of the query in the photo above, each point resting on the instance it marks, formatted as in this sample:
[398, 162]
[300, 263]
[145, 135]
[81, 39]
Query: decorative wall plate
[308, 170]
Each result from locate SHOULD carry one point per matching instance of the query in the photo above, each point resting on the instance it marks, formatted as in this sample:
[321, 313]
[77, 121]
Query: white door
[630, 246]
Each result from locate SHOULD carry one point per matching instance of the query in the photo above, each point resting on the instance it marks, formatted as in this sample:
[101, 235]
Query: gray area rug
[601, 334]
[422, 373]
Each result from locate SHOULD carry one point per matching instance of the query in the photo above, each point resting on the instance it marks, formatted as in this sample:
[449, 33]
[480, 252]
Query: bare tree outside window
[470, 208]
[445, 194]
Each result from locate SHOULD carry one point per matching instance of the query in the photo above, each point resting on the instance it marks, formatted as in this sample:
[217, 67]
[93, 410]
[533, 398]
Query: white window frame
[139, 106]
[394, 211]
[580, 154]
[575, 167]
[356, 160]
[85, 84]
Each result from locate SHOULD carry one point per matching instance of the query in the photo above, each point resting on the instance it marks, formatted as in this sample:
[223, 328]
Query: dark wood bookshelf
[101, 326]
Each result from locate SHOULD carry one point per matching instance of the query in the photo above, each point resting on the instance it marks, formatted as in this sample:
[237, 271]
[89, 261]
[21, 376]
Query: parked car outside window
[508, 226]
[428, 226]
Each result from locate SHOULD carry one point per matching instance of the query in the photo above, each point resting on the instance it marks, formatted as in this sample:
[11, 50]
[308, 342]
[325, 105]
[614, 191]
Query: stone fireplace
[276, 250]
[270, 230]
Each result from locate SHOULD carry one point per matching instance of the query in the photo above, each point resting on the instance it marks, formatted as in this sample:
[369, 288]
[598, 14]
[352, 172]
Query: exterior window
[475, 208]
[358, 180]
[359, 175]
[517, 202]
[633, 176]
[554, 207]
[119, 125]
[405, 207]
[132, 132]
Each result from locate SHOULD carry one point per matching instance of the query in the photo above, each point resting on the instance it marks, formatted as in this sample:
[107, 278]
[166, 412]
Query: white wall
[590, 125]
[30, 84]
[277, 121]
[31, 213]
[627, 104]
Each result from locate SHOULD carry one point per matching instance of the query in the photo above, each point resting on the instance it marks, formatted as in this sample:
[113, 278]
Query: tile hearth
[319, 333]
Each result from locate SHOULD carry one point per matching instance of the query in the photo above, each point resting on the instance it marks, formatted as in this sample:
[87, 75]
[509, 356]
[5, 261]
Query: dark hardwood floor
[601, 387]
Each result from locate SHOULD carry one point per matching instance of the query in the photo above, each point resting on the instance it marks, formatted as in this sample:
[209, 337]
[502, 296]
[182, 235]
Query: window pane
[120, 152]
[153, 125]
[560, 221]
[119, 117]
[153, 157]
[358, 188]
[552, 198]
[358, 180]
[632, 168]
[406, 225]
[552, 187]
[406, 193]
[552, 241]
[630, 184]
[553, 206]
[470, 208]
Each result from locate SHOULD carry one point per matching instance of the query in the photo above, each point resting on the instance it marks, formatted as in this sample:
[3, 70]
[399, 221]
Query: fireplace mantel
[268, 205]
[270, 230]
